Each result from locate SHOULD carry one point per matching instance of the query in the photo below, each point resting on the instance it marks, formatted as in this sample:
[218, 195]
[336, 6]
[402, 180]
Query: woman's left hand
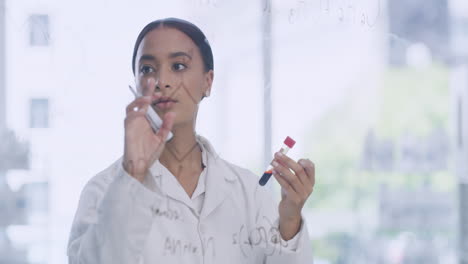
[297, 180]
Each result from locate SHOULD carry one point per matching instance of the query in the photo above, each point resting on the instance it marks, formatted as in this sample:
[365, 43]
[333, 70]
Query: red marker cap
[289, 142]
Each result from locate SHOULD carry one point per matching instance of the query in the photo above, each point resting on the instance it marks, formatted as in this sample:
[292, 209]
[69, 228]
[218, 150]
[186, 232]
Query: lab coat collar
[219, 175]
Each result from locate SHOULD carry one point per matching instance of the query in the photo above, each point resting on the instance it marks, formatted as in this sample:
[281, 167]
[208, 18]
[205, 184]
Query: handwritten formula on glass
[355, 12]
[267, 237]
[181, 247]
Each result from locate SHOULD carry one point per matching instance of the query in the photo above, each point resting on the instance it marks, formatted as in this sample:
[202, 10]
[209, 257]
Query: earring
[207, 94]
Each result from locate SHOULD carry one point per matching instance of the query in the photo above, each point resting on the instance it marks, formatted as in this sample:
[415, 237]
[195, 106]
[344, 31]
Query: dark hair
[186, 27]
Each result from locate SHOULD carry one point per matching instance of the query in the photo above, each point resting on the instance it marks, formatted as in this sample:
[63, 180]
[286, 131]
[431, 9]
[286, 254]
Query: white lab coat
[120, 220]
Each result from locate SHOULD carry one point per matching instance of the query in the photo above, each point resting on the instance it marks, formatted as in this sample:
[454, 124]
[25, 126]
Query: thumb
[168, 122]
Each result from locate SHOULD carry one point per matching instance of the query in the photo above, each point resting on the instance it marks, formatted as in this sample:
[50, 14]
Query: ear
[209, 76]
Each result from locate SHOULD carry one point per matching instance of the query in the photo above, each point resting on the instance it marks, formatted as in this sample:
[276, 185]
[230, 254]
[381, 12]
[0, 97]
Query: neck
[182, 152]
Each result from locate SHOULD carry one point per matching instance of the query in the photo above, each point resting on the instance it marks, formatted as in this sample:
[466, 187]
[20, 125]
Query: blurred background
[375, 92]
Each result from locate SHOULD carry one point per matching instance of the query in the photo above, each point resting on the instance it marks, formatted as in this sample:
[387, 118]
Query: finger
[168, 122]
[284, 184]
[142, 108]
[290, 177]
[310, 184]
[149, 87]
[162, 133]
[292, 164]
[309, 167]
[287, 189]
[138, 102]
[134, 115]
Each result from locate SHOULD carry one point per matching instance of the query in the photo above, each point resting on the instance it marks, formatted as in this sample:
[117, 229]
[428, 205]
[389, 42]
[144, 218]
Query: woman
[178, 201]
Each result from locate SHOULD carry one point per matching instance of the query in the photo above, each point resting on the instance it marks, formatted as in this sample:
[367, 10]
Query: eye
[145, 69]
[179, 66]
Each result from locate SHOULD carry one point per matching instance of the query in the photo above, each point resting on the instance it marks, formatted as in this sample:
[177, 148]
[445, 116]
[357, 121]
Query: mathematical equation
[365, 12]
[169, 213]
[269, 237]
[351, 12]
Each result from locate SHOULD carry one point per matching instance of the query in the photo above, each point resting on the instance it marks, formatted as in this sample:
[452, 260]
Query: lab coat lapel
[219, 179]
[168, 185]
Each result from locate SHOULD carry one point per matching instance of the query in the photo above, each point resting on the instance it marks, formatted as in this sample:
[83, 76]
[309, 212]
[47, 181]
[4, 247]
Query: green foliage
[414, 100]
[409, 100]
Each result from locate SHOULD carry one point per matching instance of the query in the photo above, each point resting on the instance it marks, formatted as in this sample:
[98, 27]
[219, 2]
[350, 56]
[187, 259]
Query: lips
[164, 102]
[164, 99]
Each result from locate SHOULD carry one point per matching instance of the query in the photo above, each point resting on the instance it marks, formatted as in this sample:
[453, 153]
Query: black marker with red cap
[288, 144]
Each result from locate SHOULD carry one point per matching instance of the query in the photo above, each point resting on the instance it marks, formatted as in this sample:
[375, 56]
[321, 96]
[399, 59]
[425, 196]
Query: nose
[160, 84]
[163, 81]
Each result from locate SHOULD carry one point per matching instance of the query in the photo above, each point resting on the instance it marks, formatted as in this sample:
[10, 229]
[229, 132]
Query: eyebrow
[179, 53]
[172, 55]
[147, 57]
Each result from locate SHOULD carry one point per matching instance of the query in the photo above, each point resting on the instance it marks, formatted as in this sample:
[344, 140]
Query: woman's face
[169, 56]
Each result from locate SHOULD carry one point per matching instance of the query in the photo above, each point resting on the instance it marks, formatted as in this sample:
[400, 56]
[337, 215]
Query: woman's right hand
[142, 146]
